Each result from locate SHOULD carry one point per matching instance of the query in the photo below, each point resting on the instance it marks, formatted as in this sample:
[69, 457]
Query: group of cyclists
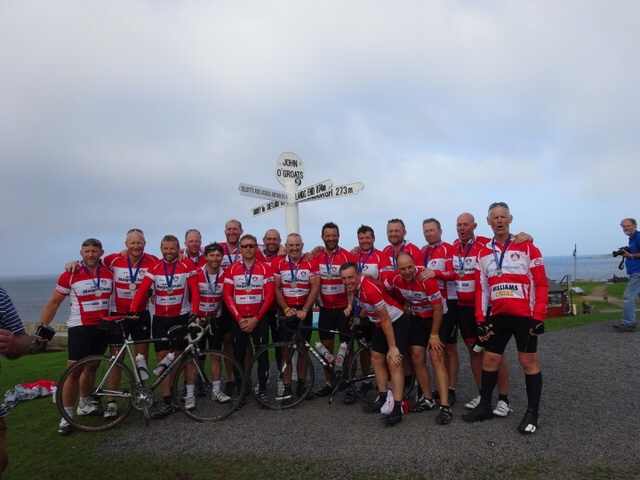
[415, 300]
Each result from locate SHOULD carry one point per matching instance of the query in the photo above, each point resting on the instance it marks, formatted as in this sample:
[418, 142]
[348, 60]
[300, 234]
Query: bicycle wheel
[285, 382]
[363, 379]
[211, 371]
[105, 404]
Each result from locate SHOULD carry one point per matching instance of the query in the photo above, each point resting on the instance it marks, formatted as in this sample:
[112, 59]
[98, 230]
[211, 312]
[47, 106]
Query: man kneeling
[390, 337]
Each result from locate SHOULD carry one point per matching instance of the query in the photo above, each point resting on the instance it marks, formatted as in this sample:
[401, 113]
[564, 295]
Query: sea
[29, 294]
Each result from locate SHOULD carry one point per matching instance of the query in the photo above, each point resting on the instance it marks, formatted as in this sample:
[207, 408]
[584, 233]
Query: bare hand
[394, 357]
[355, 250]
[522, 237]
[426, 275]
[301, 314]
[71, 266]
[435, 344]
[9, 344]
[251, 324]
[347, 311]
[243, 323]
[282, 250]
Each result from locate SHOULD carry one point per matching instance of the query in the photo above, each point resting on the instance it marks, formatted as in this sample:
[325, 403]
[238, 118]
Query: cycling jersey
[265, 257]
[248, 292]
[406, 247]
[373, 298]
[419, 295]
[89, 294]
[438, 258]
[373, 263]
[196, 261]
[231, 255]
[210, 287]
[127, 278]
[332, 292]
[294, 279]
[465, 262]
[511, 279]
[174, 289]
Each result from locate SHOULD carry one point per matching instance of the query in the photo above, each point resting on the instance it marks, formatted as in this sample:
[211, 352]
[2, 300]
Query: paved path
[590, 424]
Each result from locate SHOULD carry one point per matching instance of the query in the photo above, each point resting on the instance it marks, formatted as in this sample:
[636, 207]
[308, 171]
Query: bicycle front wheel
[95, 393]
[282, 375]
[218, 383]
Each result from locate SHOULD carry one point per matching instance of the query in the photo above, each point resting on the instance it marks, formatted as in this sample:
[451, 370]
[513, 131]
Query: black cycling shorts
[139, 329]
[467, 324]
[331, 319]
[504, 326]
[449, 327]
[401, 332]
[419, 330]
[219, 328]
[287, 327]
[86, 340]
[160, 328]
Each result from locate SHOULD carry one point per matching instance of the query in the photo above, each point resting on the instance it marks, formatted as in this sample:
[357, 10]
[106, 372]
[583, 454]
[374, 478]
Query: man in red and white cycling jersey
[296, 286]
[175, 291]
[193, 253]
[512, 282]
[231, 247]
[396, 233]
[426, 305]
[89, 288]
[333, 296]
[210, 278]
[249, 294]
[465, 262]
[437, 257]
[390, 336]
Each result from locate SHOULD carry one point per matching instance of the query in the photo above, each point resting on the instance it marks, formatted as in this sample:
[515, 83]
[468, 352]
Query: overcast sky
[123, 113]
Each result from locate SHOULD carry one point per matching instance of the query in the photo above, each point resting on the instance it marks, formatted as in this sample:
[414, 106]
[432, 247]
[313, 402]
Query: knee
[529, 362]
[417, 357]
[491, 361]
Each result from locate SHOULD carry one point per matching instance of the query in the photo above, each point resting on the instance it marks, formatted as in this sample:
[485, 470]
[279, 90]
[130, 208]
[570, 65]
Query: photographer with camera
[631, 258]
[14, 342]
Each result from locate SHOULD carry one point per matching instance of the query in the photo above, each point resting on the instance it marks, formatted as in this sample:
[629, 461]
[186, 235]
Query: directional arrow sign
[267, 207]
[338, 191]
[262, 192]
[313, 190]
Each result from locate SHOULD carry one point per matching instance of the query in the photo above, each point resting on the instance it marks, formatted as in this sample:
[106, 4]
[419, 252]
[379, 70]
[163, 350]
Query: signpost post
[290, 174]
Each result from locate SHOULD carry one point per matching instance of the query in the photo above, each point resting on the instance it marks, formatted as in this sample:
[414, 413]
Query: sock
[504, 397]
[215, 386]
[489, 381]
[69, 411]
[190, 389]
[534, 391]
[83, 400]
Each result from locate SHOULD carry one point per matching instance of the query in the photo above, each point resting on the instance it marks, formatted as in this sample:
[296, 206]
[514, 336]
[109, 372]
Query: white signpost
[290, 174]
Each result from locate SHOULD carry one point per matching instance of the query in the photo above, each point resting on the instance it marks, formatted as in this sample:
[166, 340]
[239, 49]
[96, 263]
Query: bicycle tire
[364, 383]
[122, 396]
[208, 408]
[270, 395]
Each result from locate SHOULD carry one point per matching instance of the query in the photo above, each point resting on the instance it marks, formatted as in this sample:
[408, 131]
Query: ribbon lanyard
[169, 278]
[226, 247]
[465, 254]
[215, 283]
[394, 257]
[294, 271]
[362, 263]
[495, 254]
[355, 305]
[247, 278]
[195, 259]
[96, 280]
[329, 262]
[133, 276]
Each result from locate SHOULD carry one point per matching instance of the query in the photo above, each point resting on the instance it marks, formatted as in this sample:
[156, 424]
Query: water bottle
[324, 352]
[342, 351]
[141, 364]
[478, 348]
[164, 363]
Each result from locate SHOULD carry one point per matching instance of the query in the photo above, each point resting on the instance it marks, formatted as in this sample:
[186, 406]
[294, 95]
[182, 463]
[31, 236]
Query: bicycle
[278, 391]
[134, 391]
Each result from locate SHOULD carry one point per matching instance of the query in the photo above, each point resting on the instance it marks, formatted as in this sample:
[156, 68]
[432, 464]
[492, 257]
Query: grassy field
[36, 450]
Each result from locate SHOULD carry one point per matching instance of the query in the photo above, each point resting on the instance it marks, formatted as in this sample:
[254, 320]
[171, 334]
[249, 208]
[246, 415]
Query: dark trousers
[260, 337]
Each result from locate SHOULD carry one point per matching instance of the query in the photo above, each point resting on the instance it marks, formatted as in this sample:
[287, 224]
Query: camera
[620, 251]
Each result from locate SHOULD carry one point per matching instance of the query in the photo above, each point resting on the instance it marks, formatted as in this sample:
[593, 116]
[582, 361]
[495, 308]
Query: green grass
[616, 289]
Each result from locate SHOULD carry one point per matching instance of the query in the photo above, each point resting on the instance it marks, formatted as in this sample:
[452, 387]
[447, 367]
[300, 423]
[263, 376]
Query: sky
[150, 113]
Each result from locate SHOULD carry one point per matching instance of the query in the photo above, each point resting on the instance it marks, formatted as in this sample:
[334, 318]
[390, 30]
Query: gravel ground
[588, 427]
